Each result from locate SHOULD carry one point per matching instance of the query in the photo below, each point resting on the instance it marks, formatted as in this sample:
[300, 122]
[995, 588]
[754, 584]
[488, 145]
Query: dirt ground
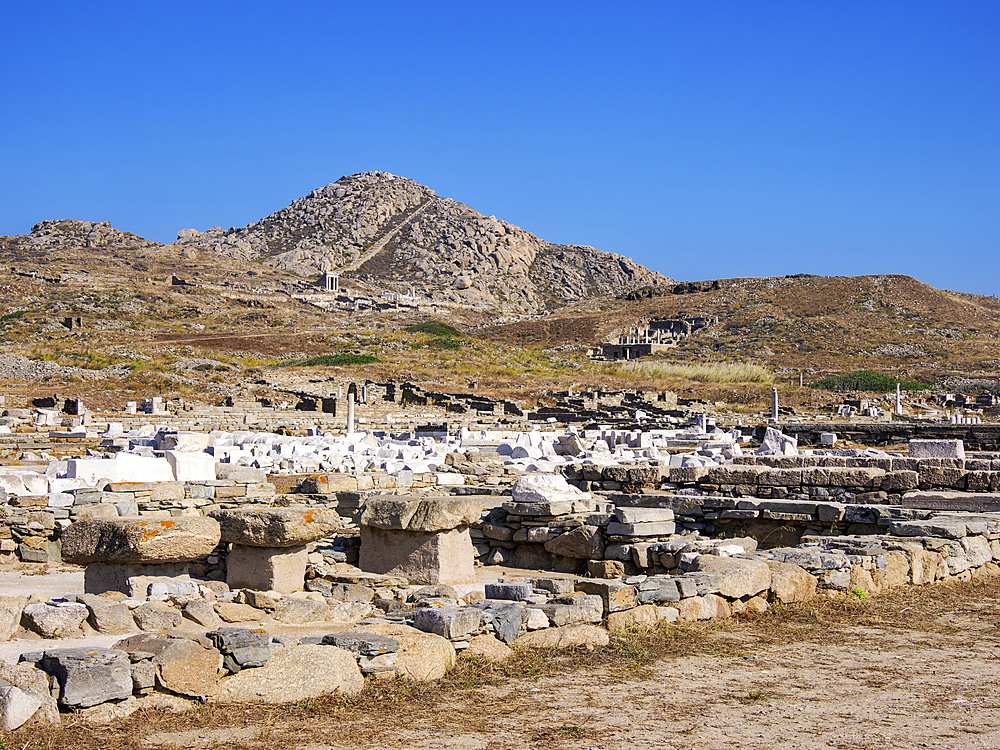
[914, 668]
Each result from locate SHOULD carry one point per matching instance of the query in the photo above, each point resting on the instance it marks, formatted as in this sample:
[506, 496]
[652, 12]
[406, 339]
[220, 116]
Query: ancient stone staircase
[382, 241]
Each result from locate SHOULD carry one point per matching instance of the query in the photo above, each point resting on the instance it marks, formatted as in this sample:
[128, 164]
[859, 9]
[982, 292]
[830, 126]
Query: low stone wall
[379, 625]
[863, 480]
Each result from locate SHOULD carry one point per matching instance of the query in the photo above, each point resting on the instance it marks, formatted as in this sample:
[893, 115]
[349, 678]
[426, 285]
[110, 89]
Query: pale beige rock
[790, 583]
[139, 540]
[583, 542]
[281, 569]
[708, 607]
[157, 616]
[861, 580]
[294, 674]
[643, 617]
[233, 612]
[421, 557]
[568, 636]
[740, 577]
[105, 713]
[753, 604]
[489, 648]
[10, 615]
[34, 682]
[422, 656]
[896, 571]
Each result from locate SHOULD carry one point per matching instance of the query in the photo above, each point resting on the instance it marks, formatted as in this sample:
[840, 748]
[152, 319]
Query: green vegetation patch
[435, 328]
[330, 360]
[866, 380]
[13, 315]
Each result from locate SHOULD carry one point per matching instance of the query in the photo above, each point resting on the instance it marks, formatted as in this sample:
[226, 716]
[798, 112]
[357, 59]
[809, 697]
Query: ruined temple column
[350, 413]
[774, 404]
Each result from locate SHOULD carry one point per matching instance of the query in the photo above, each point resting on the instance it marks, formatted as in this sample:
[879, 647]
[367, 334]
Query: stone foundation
[428, 557]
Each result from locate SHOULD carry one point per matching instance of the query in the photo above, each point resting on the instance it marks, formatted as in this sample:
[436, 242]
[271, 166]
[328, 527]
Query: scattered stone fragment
[157, 616]
[55, 620]
[88, 677]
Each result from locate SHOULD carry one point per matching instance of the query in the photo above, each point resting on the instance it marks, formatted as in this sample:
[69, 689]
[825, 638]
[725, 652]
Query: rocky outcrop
[443, 249]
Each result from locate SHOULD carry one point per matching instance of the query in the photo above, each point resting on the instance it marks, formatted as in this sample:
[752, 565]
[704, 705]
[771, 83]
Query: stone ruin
[271, 592]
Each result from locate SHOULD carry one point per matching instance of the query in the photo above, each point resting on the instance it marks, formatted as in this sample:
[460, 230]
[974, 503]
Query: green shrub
[330, 360]
[435, 328]
[866, 380]
[445, 343]
[13, 315]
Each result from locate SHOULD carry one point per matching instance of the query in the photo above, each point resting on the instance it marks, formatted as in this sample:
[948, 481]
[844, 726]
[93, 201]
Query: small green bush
[866, 380]
[445, 343]
[435, 328]
[13, 315]
[330, 360]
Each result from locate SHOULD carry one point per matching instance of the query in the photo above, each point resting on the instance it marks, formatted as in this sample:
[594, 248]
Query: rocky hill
[395, 233]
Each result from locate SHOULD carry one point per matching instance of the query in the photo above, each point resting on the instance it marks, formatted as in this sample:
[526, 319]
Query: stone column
[774, 404]
[350, 413]
[426, 541]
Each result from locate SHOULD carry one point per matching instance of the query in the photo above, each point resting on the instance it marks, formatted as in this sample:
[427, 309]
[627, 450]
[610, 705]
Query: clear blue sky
[703, 139]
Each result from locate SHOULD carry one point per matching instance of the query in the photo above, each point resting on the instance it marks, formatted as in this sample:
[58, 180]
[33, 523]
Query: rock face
[139, 540]
[35, 682]
[295, 674]
[55, 620]
[385, 228]
[425, 541]
[275, 527]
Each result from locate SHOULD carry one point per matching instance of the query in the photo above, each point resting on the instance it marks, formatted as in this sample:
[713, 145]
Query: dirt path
[914, 669]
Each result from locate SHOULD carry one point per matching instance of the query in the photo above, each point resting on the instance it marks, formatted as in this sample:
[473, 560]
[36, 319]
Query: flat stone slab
[972, 502]
[140, 540]
[275, 527]
[424, 514]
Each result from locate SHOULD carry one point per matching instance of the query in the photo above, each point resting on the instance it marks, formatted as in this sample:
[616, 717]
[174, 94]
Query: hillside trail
[382, 241]
[908, 672]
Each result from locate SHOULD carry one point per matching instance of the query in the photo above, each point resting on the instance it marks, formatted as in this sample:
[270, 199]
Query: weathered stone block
[583, 542]
[615, 595]
[281, 569]
[132, 580]
[740, 577]
[139, 540]
[421, 557]
[275, 527]
[89, 676]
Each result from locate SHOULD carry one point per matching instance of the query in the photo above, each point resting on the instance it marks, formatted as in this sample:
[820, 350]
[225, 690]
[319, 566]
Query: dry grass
[718, 372]
[468, 696]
